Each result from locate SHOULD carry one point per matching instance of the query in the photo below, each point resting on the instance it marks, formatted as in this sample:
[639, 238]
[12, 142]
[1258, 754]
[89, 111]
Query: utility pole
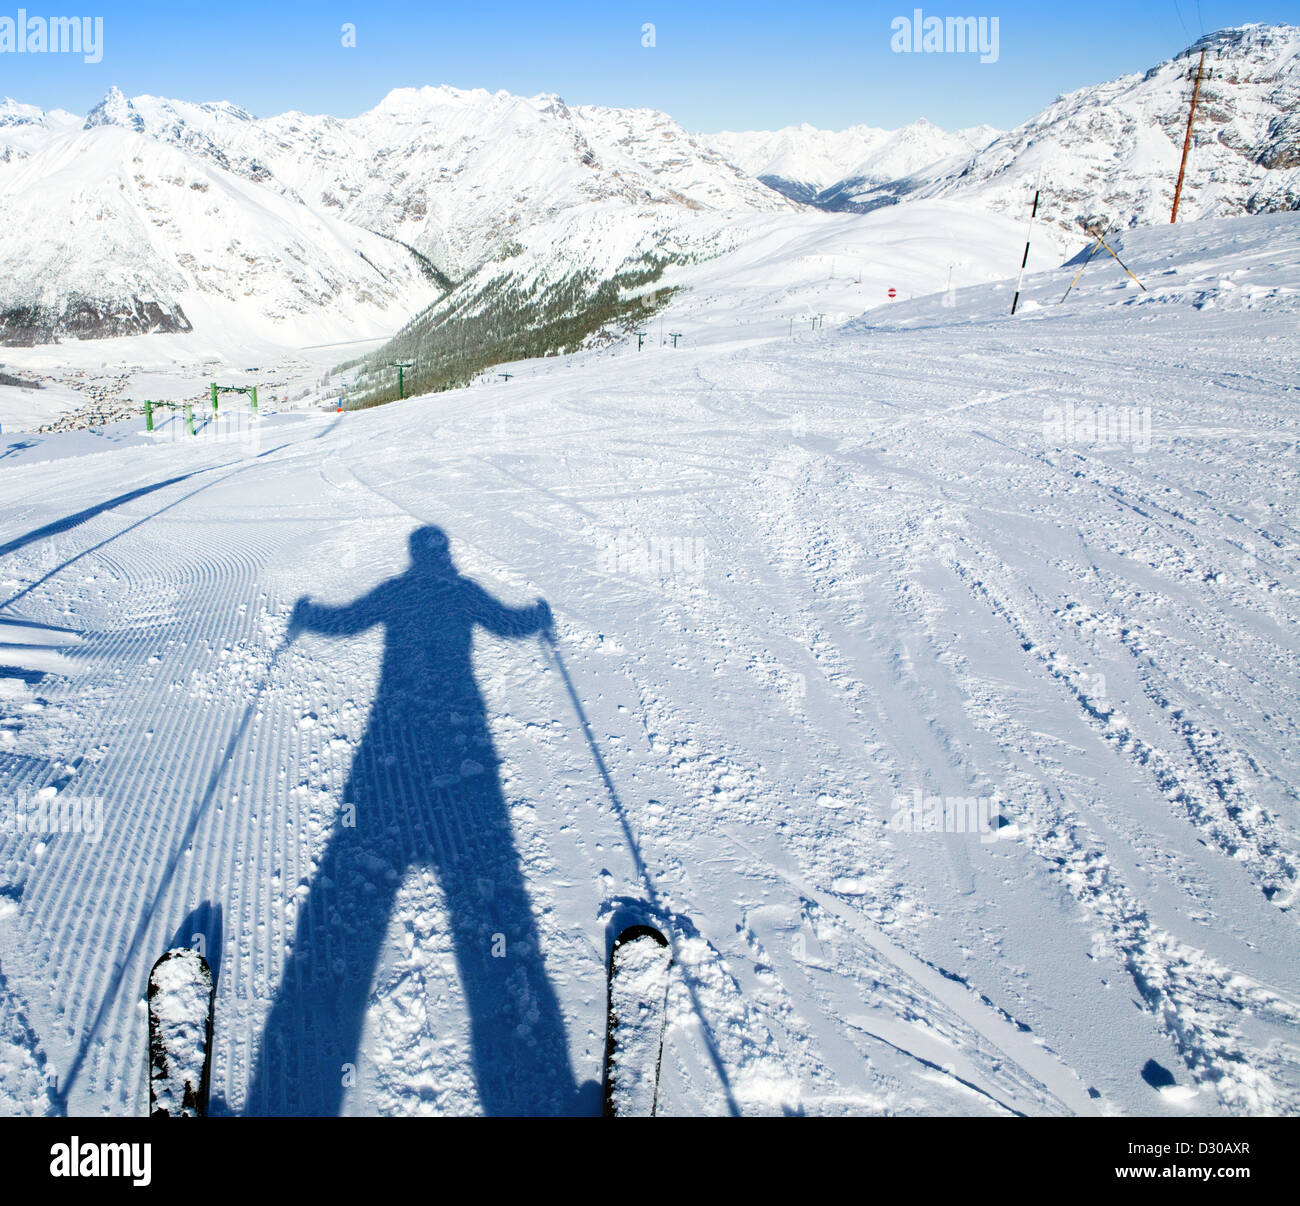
[640, 340]
[401, 366]
[505, 376]
[1187, 139]
[674, 336]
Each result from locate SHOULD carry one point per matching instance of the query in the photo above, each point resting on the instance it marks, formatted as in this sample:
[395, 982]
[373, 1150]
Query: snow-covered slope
[1109, 154]
[25, 128]
[776, 272]
[946, 726]
[108, 232]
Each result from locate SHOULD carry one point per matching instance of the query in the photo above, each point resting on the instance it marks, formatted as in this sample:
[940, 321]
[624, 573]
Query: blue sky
[714, 65]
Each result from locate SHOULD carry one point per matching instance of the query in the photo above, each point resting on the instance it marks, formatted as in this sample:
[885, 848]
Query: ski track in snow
[793, 582]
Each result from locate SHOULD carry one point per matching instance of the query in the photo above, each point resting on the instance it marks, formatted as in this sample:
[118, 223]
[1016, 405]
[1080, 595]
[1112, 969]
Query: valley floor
[802, 589]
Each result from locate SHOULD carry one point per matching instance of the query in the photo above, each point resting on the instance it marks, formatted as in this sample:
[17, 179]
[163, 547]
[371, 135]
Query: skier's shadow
[423, 791]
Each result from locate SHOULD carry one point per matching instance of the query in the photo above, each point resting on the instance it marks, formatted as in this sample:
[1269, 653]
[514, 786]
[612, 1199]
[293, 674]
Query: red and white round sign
[893, 293]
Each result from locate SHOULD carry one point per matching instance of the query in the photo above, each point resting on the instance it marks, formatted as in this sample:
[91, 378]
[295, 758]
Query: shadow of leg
[520, 1046]
[521, 1051]
[314, 1031]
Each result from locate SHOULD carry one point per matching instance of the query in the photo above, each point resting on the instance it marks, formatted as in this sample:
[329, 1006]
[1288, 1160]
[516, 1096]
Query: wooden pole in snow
[1121, 263]
[1187, 139]
[1080, 272]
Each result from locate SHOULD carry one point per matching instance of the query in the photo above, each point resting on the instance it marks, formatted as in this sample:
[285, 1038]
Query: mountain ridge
[490, 191]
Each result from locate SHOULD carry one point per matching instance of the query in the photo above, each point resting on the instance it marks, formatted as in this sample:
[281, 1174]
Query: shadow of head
[431, 550]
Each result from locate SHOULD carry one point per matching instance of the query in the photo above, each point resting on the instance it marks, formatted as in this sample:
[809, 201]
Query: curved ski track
[794, 584]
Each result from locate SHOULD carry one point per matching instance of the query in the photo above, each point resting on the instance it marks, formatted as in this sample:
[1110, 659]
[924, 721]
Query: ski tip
[639, 970]
[635, 932]
[640, 932]
[186, 958]
[180, 997]
[185, 953]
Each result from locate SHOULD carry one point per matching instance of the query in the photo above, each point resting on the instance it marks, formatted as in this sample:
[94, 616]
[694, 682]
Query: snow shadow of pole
[652, 893]
[135, 947]
[424, 791]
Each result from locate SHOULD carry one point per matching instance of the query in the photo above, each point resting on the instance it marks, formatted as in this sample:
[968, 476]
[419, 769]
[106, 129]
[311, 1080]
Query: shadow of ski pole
[142, 926]
[548, 640]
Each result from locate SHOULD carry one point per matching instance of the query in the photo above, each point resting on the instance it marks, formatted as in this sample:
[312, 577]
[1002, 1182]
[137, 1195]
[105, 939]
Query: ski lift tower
[401, 366]
[250, 390]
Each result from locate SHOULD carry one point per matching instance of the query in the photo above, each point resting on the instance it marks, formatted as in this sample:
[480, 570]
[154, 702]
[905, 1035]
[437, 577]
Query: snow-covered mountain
[454, 173]
[310, 225]
[816, 166]
[457, 177]
[25, 128]
[1109, 154]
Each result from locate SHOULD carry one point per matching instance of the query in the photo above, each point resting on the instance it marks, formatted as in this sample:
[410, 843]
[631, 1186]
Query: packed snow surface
[930, 679]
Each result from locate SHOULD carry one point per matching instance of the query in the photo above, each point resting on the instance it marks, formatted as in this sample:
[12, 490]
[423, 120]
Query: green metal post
[189, 419]
[214, 397]
[401, 366]
[148, 415]
[252, 395]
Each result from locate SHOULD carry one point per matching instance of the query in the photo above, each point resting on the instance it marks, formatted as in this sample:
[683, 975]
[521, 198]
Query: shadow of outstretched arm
[347, 620]
[505, 621]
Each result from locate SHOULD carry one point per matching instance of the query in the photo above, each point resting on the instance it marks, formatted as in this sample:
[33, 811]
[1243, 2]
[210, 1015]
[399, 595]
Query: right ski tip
[634, 933]
[186, 959]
